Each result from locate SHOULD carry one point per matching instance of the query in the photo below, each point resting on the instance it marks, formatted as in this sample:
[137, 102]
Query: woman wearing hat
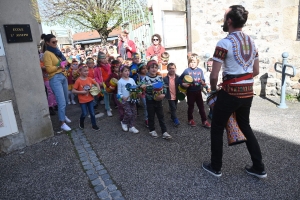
[156, 49]
[126, 46]
[55, 63]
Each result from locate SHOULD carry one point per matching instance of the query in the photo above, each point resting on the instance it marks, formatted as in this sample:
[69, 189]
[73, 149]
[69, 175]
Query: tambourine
[94, 90]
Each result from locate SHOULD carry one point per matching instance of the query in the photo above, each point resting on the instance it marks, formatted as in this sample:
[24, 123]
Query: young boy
[154, 106]
[194, 90]
[171, 80]
[142, 72]
[81, 87]
[134, 66]
[164, 64]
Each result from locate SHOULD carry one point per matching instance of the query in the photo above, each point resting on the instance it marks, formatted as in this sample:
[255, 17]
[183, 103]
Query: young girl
[102, 72]
[194, 90]
[129, 107]
[72, 75]
[142, 72]
[154, 106]
[81, 87]
[115, 68]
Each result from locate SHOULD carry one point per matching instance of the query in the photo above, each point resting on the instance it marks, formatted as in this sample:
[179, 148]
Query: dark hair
[170, 65]
[81, 66]
[158, 36]
[120, 57]
[46, 38]
[123, 67]
[238, 15]
[115, 62]
[110, 59]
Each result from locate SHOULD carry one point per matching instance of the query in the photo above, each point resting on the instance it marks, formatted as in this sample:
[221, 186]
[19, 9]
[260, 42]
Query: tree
[100, 15]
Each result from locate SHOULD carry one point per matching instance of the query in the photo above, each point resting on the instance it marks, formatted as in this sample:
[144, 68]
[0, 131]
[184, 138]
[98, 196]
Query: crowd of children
[132, 84]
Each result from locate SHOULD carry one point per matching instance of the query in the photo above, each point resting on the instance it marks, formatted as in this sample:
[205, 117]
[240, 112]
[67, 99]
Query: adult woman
[155, 49]
[126, 46]
[53, 60]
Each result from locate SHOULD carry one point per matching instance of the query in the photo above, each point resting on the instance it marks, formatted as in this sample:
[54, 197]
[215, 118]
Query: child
[171, 80]
[129, 108]
[102, 72]
[154, 106]
[81, 87]
[71, 75]
[120, 59]
[164, 63]
[134, 66]
[194, 90]
[115, 68]
[142, 72]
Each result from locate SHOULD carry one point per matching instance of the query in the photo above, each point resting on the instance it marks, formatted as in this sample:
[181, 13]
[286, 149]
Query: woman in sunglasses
[55, 63]
[155, 49]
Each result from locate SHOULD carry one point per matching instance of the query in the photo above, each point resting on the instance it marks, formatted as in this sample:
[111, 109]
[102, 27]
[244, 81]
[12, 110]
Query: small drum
[211, 100]
[133, 90]
[113, 82]
[94, 90]
[188, 79]
[158, 89]
[180, 96]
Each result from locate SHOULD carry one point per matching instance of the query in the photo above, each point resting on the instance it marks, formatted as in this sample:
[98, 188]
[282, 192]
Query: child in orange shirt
[82, 87]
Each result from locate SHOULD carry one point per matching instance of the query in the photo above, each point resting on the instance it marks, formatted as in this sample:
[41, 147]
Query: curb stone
[97, 174]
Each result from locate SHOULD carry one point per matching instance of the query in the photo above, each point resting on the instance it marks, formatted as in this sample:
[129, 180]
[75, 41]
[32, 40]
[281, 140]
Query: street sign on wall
[16, 33]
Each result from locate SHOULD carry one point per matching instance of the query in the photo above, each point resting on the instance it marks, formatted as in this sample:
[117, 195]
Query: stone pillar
[21, 81]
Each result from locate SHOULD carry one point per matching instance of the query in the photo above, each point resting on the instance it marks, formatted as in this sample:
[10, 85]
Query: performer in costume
[239, 57]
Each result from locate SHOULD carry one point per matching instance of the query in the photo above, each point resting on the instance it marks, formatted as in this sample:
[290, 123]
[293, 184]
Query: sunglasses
[54, 42]
[155, 40]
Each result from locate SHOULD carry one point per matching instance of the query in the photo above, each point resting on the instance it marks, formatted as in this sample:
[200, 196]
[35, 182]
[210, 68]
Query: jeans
[173, 108]
[193, 97]
[143, 100]
[225, 105]
[84, 111]
[155, 107]
[59, 86]
[106, 100]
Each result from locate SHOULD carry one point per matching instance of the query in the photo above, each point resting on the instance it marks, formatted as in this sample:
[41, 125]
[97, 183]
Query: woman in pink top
[126, 46]
[155, 49]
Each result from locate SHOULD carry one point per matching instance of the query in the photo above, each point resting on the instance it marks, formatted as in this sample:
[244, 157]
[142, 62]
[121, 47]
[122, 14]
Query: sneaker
[133, 130]
[124, 127]
[102, 102]
[252, 171]
[153, 134]
[109, 113]
[65, 127]
[192, 123]
[206, 124]
[67, 119]
[207, 167]
[166, 136]
[176, 122]
[69, 102]
[81, 125]
[96, 128]
[73, 102]
[146, 123]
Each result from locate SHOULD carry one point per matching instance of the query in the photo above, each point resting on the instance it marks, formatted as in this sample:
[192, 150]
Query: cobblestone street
[112, 164]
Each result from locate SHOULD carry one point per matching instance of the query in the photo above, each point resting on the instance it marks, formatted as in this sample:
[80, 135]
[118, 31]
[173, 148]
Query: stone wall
[22, 81]
[273, 25]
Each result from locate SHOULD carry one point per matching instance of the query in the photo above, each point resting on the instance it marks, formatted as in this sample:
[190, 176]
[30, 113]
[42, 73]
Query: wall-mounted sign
[2, 52]
[18, 33]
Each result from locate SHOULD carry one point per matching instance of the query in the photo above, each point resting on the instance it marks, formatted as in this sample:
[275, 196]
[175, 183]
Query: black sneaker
[252, 171]
[207, 167]
[81, 124]
[96, 128]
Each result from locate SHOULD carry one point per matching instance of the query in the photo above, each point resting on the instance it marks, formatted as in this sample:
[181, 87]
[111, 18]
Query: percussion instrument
[113, 82]
[234, 133]
[158, 89]
[182, 90]
[133, 90]
[188, 79]
[94, 90]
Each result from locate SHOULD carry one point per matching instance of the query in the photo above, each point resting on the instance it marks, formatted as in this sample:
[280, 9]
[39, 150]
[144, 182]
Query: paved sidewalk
[141, 167]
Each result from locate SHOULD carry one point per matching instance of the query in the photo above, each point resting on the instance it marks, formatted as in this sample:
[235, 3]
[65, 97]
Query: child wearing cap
[171, 80]
[102, 72]
[154, 104]
[142, 72]
[194, 90]
[81, 87]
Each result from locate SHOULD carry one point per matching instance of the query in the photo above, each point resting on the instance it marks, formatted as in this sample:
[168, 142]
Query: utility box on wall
[8, 124]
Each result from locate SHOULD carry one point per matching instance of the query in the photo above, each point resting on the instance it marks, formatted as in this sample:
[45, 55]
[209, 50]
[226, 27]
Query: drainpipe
[189, 26]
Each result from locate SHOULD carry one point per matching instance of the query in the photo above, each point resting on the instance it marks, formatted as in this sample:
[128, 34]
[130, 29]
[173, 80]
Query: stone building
[274, 29]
